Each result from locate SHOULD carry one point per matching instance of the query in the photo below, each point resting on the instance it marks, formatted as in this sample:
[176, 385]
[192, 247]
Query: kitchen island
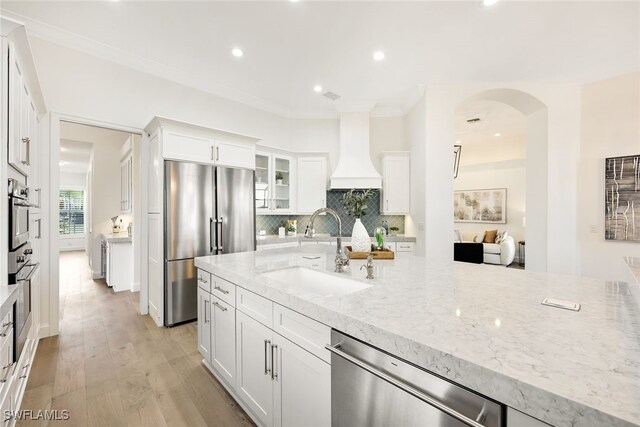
[480, 326]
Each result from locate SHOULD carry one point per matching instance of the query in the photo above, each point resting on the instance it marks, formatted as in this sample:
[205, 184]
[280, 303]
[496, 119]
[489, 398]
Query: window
[71, 212]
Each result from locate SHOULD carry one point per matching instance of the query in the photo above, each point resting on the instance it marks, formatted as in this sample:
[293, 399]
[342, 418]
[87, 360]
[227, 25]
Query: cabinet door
[223, 339]
[35, 181]
[253, 362]
[302, 387]
[176, 146]
[18, 116]
[156, 270]
[155, 175]
[108, 278]
[263, 188]
[312, 184]
[283, 184]
[396, 186]
[234, 155]
[204, 324]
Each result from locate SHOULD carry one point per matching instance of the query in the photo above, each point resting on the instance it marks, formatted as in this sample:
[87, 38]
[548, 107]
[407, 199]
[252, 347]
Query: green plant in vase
[355, 203]
[394, 230]
[279, 178]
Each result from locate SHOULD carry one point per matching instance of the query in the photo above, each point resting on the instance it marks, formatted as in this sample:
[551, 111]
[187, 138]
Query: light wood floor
[112, 367]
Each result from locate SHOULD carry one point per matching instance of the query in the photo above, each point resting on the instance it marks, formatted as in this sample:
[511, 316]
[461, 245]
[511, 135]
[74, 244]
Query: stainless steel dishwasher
[370, 387]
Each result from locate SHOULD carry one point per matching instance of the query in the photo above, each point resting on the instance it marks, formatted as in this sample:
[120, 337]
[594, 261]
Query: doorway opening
[502, 179]
[98, 205]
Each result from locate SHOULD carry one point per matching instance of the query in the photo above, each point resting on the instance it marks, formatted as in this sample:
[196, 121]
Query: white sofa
[500, 253]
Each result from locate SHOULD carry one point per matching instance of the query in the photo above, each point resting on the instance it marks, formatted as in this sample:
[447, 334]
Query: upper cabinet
[214, 150]
[275, 183]
[395, 198]
[312, 184]
[21, 117]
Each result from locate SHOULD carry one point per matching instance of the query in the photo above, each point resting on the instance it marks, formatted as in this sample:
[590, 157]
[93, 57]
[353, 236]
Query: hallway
[112, 367]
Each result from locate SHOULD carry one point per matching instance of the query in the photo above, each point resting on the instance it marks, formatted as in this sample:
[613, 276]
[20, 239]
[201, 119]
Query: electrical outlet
[421, 226]
[593, 228]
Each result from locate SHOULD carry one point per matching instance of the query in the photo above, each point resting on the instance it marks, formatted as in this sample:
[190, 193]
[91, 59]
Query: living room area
[490, 184]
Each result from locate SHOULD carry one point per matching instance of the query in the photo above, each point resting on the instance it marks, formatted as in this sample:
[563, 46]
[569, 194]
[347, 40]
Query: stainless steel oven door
[18, 222]
[23, 307]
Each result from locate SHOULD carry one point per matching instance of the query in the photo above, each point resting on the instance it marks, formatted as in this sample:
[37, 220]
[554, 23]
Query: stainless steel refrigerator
[209, 210]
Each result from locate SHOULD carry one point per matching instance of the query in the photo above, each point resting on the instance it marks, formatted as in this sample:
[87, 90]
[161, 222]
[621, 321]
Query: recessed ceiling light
[498, 322]
[237, 52]
[488, 3]
[497, 134]
[64, 149]
[378, 55]
[458, 142]
[62, 163]
[293, 1]
[317, 88]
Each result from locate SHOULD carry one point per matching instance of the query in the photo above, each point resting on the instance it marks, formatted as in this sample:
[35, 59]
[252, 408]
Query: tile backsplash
[327, 224]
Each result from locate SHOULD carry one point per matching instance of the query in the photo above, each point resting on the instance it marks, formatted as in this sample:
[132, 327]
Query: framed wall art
[488, 205]
[622, 198]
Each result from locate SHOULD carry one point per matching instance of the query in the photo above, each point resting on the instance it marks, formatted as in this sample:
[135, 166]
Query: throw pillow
[468, 237]
[490, 236]
[456, 236]
[479, 238]
[501, 236]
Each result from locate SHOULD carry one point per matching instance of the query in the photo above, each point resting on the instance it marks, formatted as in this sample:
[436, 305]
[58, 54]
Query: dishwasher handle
[335, 349]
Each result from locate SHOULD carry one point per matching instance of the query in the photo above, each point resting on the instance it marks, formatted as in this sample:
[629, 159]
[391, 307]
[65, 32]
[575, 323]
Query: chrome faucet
[341, 260]
[369, 266]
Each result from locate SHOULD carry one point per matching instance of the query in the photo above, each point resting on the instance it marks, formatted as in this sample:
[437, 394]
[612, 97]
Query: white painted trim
[43, 330]
[72, 248]
[135, 287]
[54, 188]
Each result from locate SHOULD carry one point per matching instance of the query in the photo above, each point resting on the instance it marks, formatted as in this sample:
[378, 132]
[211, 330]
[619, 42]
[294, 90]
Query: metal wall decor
[622, 198]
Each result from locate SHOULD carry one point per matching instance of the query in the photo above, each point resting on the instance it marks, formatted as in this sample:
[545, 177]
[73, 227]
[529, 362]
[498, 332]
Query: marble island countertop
[481, 326]
[274, 239]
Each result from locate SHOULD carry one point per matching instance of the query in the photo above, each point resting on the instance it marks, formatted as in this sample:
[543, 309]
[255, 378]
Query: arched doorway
[535, 113]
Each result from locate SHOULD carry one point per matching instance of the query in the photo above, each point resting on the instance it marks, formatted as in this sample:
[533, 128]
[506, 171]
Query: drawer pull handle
[219, 306]
[22, 377]
[6, 327]
[201, 280]
[7, 368]
[218, 288]
[266, 356]
[274, 362]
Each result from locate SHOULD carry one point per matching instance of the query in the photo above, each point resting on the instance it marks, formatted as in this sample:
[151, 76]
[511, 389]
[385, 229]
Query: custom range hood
[355, 169]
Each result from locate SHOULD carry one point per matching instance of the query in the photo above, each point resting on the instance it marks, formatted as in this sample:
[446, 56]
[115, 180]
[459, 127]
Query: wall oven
[22, 317]
[18, 214]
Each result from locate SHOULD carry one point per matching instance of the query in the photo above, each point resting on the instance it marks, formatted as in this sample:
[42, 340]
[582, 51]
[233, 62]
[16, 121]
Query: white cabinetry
[395, 198]
[311, 184]
[275, 183]
[20, 143]
[209, 150]
[204, 323]
[120, 265]
[270, 358]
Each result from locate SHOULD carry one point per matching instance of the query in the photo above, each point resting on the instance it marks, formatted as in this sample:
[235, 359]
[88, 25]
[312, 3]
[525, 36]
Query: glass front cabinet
[275, 177]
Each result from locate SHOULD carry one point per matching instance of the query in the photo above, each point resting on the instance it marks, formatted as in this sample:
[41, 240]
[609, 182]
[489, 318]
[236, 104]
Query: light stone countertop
[274, 239]
[116, 238]
[8, 295]
[481, 326]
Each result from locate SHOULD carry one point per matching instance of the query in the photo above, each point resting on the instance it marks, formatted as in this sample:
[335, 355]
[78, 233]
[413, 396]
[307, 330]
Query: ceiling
[290, 47]
[497, 120]
[76, 144]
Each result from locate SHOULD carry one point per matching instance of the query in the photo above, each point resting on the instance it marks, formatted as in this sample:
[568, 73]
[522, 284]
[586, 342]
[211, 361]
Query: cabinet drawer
[7, 366]
[224, 290]
[405, 246]
[204, 280]
[259, 308]
[303, 331]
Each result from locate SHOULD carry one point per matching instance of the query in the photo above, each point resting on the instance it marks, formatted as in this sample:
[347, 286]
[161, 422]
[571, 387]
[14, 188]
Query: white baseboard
[71, 248]
[96, 275]
[135, 287]
[43, 330]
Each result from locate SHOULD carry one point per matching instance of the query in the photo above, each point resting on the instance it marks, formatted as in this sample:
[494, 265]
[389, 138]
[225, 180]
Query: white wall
[497, 150]
[137, 208]
[414, 131]
[74, 181]
[509, 174]
[610, 127]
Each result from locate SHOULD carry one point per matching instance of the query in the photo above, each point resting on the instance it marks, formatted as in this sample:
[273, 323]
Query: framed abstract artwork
[622, 198]
[488, 205]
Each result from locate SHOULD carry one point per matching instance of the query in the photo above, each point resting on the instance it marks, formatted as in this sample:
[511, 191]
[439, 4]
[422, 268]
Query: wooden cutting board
[383, 254]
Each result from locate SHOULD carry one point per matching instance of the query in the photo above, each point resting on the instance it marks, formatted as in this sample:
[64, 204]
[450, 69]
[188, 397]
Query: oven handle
[33, 270]
[25, 205]
[406, 388]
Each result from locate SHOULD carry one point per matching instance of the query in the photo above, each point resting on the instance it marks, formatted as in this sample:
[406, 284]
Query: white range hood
[355, 169]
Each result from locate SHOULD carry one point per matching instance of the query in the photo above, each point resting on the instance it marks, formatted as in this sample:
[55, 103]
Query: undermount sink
[319, 283]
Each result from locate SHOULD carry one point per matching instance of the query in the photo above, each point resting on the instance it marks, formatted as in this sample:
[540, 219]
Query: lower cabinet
[204, 324]
[223, 339]
[276, 380]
